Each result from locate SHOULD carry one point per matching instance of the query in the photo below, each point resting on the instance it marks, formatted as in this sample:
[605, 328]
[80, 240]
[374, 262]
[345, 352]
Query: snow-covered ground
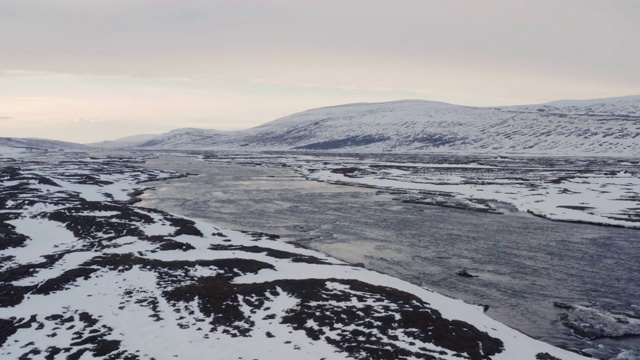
[86, 274]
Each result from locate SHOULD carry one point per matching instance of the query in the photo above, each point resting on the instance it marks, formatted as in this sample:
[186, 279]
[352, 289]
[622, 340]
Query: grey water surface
[523, 263]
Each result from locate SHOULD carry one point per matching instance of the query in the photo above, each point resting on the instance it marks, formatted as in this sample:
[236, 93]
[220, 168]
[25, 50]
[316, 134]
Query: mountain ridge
[608, 126]
[598, 127]
[38, 144]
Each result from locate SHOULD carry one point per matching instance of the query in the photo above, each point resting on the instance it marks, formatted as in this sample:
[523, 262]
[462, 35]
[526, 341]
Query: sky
[91, 70]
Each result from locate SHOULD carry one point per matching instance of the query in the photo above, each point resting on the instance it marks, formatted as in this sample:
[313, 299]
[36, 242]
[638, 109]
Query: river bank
[524, 264]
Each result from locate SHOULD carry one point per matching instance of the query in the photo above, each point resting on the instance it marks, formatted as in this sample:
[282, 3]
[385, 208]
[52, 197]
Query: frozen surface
[591, 190]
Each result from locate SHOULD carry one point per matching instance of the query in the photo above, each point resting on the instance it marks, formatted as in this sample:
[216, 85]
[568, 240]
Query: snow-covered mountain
[178, 136]
[584, 127]
[20, 147]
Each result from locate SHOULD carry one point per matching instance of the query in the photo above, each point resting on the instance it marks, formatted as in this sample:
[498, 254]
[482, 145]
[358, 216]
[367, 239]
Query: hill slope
[39, 144]
[126, 142]
[17, 146]
[596, 127]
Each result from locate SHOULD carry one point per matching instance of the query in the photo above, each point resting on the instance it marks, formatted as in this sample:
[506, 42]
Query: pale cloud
[83, 120]
[6, 118]
[29, 73]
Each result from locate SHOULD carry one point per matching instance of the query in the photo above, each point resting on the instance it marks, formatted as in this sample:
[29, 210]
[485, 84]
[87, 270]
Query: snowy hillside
[126, 142]
[627, 106]
[36, 145]
[186, 138]
[594, 127]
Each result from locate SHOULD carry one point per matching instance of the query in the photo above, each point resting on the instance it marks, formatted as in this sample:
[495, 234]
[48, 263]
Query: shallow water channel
[523, 263]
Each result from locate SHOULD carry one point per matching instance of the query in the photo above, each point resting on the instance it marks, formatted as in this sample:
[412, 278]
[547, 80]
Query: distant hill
[126, 142]
[31, 144]
[583, 127]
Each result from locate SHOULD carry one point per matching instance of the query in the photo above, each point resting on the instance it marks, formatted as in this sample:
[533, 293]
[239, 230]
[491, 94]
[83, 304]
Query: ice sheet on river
[593, 322]
[591, 190]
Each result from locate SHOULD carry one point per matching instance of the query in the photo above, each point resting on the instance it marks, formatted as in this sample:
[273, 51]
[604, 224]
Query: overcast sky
[89, 70]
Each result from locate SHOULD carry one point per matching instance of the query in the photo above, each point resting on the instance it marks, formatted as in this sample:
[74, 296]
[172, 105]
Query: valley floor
[87, 274]
[523, 265]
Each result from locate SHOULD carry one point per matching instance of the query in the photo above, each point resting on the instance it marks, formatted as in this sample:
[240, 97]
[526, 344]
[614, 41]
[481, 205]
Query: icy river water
[523, 263]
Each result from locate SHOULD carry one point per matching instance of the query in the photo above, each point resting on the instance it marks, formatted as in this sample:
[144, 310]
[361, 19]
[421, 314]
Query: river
[523, 263]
